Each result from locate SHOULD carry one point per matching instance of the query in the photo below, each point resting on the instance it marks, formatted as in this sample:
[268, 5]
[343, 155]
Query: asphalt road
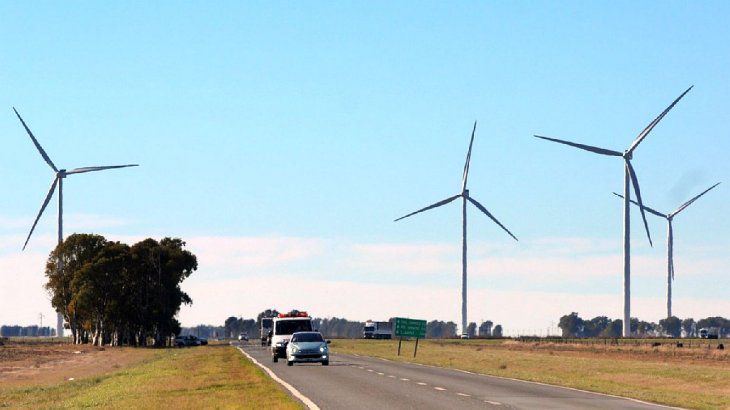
[358, 382]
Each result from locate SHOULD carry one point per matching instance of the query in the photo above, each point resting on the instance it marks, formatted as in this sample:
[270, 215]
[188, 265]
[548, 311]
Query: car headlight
[323, 348]
[294, 349]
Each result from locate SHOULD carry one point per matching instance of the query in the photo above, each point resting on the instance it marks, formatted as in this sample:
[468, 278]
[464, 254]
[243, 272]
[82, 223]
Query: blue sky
[320, 124]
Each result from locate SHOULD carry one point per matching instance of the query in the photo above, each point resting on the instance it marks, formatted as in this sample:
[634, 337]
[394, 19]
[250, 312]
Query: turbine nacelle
[61, 173]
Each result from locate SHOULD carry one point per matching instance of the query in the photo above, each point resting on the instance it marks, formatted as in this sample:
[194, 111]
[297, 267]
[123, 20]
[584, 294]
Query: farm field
[53, 375]
[697, 377]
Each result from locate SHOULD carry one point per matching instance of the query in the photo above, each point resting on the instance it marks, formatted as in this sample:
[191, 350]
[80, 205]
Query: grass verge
[207, 376]
[648, 375]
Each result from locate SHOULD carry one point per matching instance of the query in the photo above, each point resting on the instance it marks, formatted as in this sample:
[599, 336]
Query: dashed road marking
[405, 380]
[495, 403]
[439, 388]
[464, 394]
[360, 367]
[422, 384]
[381, 374]
[370, 370]
[391, 376]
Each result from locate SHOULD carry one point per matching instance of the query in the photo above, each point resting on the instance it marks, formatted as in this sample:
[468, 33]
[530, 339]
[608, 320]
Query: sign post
[413, 328]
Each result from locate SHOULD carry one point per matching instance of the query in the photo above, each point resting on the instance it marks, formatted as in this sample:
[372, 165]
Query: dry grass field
[697, 377]
[44, 375]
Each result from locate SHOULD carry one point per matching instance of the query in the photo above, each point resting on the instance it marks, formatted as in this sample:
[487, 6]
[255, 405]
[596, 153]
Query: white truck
[283, 327]
[377, 330]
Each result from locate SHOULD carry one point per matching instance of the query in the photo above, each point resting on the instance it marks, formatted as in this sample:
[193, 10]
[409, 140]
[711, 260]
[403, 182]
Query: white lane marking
[422, 383]
[664, 406]
[304, 399]
[439, 388]
[464, 394]
[381, 374]
[405, 380]
[370, 370]
[391, 376]
[360, 367]
[494, 403]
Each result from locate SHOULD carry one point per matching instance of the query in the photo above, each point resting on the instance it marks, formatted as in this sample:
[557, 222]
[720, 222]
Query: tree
[671, 326]
[596, 326]
[497, 332]
[109, 292]
[571, 325]
[485, 329]
[613, 329]
[688, 325]
[471, 330]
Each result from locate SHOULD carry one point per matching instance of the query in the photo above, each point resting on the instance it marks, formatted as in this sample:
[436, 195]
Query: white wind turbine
[465, 197]
[670, 240]
[629, 179]
[60, 174]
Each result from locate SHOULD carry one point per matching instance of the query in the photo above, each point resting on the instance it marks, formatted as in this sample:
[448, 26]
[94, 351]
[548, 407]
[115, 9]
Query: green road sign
[410, 328]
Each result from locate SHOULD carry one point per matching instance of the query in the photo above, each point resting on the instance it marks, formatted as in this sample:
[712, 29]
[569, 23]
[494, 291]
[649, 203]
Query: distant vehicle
[266, 325]
[189, 340]
[710, 333]
[377, 330]
[307, 347]
[243, 337]
[284, 326]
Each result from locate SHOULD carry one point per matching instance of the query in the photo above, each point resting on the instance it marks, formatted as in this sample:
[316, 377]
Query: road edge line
[526, 381]
[294, 392]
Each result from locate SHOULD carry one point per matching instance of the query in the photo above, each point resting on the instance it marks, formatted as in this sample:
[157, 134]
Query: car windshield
[287, 327]
[266, 322]
[307, 337]
[369, 328]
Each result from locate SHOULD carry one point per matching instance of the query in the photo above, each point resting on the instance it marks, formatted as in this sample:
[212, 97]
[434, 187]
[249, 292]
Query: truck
[377, 330]
[283, 326]
[710, 333]
[266, 324]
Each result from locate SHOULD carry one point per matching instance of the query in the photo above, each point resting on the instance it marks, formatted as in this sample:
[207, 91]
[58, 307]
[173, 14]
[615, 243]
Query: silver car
[307, 347]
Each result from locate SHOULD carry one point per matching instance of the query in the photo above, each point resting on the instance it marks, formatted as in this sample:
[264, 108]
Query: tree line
[573, 326]
[342, 328]
[111, 293]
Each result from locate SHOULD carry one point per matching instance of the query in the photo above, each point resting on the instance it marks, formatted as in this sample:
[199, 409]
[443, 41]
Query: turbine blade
[483, 209]
[646, 208]
[92, 169]
[436, 205]
[688, 203]
[43, 208]
[653, 124]
[468, 159]
[35, 141]
[635, 182]
[597, 150]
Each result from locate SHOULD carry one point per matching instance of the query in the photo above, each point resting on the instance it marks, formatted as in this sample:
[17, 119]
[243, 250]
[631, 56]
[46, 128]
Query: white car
[307, 347]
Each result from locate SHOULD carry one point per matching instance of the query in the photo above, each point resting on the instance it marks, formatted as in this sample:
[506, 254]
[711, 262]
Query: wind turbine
[670, 239]
[465, 197]
[629, 179]
[60, 174]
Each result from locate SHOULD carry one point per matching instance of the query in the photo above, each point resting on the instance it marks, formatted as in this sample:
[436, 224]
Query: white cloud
[243, 275]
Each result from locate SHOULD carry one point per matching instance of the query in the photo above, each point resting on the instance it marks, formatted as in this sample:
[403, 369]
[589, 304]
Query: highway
[358, 382]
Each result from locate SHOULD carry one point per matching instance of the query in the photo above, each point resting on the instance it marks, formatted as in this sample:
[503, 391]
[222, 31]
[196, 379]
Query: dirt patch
[33, 364]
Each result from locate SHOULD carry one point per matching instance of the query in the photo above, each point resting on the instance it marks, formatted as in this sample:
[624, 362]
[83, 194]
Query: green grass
[201, 377]
[642, 373]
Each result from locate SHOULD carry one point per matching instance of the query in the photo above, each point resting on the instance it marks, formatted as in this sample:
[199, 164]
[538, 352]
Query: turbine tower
[629, 179]
[465, 197]
[670, 240]
[60, 174]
